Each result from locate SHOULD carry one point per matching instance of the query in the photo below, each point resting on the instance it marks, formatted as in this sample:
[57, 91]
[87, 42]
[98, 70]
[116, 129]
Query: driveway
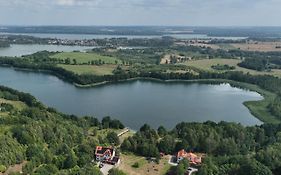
[192, 170]
[172, 160]
[105, 169]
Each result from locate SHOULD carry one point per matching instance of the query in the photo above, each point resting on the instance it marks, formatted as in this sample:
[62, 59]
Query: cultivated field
[105, 69]
[85, 58]
[259, 46]
[206, 64]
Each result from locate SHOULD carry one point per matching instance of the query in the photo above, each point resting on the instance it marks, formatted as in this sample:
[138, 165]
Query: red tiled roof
[193, 158]
[100, 151]
[182, 153]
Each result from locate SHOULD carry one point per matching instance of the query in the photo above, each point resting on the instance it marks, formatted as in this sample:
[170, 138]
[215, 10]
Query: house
[193, 158]
[106, 155]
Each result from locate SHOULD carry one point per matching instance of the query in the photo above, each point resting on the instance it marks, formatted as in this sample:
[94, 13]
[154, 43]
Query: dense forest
[230, 148]
[49, 141]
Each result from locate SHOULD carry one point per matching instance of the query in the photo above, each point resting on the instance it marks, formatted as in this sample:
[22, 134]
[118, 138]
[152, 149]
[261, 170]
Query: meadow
[105, 69]
[206, 65]
[85, 58]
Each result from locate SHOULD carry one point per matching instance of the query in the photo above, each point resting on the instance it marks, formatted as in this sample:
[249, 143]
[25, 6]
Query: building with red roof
[191, 157]
[106, 155]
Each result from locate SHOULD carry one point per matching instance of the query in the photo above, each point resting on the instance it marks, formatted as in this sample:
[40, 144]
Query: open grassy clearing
[95, 131]
[206, 65]
[16, 104]
[105, 69]
[126, 135]
[85, 58]
[226, 46]
[145, 167]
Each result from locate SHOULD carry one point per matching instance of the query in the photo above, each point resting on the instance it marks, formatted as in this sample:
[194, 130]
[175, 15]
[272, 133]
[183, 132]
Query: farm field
[85, 58]
[259, 46]
[105, 69]
[206, 64]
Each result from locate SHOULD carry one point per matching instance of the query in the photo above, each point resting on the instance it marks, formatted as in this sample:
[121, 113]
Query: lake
[26, 49]
[138, 102]
[91, 36]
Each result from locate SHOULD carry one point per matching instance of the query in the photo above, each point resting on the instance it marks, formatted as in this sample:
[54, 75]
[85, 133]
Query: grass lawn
[103, 133]
[82, 57]
[145, 167]
[126, 135]
[105, 69]
[206, 64]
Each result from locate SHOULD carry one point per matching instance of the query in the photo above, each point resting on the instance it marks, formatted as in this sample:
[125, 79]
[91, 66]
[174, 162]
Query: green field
[90, 69]
[84, 58]
[206, 65]
[226, 46]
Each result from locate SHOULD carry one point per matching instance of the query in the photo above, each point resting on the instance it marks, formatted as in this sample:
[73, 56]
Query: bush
[136, 165]
[3, 168]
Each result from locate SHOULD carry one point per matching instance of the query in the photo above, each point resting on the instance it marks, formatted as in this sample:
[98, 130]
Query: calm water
[89, 36]
[138, 102]
[25, 49]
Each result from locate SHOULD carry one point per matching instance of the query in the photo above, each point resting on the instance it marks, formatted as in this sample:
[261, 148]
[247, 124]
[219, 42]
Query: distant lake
[138, 102]
[89, 36]
[25, 49]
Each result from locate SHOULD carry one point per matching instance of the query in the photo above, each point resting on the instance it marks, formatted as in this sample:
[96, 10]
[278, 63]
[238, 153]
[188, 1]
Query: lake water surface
[91, 36]
[138, 102]
[26, 49]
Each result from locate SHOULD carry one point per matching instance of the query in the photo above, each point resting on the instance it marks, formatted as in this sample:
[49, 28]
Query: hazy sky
[141, 12]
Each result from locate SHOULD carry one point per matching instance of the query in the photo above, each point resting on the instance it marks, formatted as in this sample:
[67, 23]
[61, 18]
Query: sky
[141, 12]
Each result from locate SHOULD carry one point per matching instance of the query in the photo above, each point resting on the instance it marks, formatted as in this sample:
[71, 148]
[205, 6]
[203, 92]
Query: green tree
[74, 61]
[182, 167]
[48, 169]
[90, 170]
[167, 144]
[113, 138]
[71, 160]
[115, 171]
[162, 131]
[67, 61]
